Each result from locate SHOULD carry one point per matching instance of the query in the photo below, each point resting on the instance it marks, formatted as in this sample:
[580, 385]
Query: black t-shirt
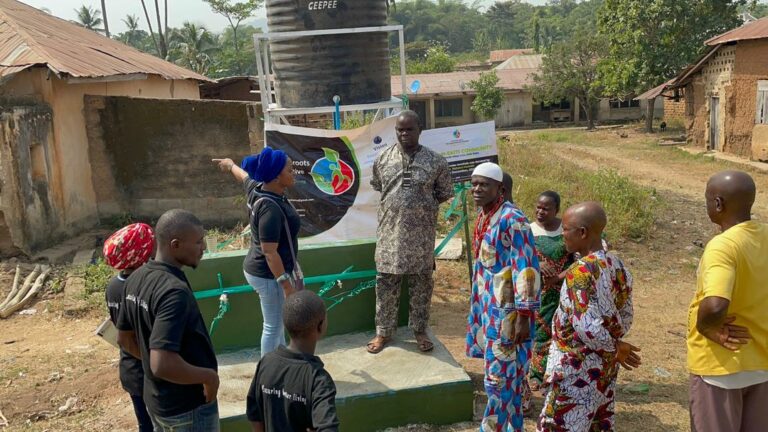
[161, 308]
[292, 392]
[131, 371]
[267, 226]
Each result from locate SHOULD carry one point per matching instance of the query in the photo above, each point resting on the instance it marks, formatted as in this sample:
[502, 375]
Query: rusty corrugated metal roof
[656, 91]
[523, 61]
[458, 82]
[30, 37]
[753, 30]
[501, 55]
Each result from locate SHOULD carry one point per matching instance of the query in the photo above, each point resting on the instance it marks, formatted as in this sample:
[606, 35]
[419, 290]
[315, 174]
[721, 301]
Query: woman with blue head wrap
[275, 227]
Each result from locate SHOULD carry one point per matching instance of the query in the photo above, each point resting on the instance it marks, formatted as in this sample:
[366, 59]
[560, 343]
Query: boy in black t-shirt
[126, 250]
[291, 390]
[160, 322]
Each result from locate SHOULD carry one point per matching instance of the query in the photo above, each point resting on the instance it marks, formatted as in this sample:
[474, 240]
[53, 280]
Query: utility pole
[104, 16]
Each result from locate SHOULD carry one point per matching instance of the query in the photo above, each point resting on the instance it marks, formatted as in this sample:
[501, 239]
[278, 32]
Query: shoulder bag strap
[285, 224]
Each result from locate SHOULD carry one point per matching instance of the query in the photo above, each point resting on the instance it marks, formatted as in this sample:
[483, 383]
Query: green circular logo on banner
[327, 178]
[331, 174]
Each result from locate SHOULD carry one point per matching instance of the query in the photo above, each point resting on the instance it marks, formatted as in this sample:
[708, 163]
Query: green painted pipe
[339, 276]
[199, 295]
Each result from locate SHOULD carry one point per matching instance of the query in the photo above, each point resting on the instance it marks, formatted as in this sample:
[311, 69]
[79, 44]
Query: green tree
[450, 21]
[89, 18]
[436, 60]
[758, 9]
[570, 71]
[651, 40]
[235, 13]
[488, 97]
[193, 47]
[509, 23]
[229, 62]
[132, 36]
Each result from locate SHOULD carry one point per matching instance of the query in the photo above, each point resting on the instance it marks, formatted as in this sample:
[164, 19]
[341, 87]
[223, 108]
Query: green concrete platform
[241, 326]
[396, 387]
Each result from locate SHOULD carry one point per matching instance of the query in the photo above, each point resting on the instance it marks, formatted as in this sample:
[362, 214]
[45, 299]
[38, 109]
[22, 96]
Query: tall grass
[535, 168]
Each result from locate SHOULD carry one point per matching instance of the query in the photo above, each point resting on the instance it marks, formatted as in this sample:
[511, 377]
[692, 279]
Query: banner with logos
[333, 172]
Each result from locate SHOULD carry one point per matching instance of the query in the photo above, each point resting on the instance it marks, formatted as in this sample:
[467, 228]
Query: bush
[96, 277]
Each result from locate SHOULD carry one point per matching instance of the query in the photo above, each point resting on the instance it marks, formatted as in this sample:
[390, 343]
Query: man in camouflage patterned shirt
[413, 181]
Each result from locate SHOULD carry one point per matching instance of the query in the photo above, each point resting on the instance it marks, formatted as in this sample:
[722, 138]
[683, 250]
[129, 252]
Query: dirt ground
[51, 358]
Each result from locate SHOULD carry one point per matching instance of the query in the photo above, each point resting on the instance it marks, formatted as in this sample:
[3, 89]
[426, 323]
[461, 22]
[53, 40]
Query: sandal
[377, 344]
[423, 342]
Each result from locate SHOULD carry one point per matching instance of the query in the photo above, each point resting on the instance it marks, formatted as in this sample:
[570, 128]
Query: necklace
[483, 221]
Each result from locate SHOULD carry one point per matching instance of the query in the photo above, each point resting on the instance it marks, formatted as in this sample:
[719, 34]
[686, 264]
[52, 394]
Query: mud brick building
[724, 95]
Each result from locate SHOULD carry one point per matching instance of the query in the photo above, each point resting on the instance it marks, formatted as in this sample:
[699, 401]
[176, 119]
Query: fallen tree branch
[14, 288]
[25, 287]
[39, 282]
[3, 420]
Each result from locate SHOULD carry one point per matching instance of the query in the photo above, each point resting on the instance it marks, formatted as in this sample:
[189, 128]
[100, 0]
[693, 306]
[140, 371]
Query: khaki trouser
[388, 299]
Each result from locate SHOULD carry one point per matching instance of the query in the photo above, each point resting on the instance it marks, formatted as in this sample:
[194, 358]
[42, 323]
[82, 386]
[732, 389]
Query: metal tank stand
[275, 114]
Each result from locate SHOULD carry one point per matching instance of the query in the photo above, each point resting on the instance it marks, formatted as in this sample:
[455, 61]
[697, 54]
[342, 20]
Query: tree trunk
[166, 17]
[104, 16]
[163, 44]
[649, 109]
[234, 37]
[149, 24]
[588, 110]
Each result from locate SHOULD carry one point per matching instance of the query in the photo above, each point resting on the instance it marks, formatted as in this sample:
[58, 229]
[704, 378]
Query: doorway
[714, 118]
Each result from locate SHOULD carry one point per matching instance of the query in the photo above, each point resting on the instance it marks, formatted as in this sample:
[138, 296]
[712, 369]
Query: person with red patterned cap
[126, 250]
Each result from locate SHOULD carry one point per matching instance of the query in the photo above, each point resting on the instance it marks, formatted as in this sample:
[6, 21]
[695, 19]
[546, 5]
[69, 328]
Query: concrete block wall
[674, 111]
[155, 155]
[29, 218]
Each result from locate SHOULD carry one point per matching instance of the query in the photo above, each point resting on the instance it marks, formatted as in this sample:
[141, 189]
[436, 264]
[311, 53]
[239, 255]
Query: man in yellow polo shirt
[728, 318]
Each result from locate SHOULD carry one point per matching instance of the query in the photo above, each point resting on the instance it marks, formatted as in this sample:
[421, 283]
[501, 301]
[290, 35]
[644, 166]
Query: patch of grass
[535, 168]
[95, 277]
[683, 155]
[56, 284]
[676, 124]
[549, 136]
[229, 239]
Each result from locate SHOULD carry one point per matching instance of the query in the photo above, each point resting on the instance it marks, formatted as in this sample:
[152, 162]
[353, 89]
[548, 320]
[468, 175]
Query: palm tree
[89, 18]
[132, 22]
[161, 41]
[131, 37]
[193, 46]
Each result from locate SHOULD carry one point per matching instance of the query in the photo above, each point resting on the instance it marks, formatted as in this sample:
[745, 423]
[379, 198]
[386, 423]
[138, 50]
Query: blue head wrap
[265, 166]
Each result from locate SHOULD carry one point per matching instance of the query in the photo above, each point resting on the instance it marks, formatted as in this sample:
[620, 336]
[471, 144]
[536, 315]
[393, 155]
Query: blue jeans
[142, 416]
[204, 418]
[272, 298]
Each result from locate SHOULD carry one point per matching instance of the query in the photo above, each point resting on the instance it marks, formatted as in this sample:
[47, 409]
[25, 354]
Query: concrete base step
[65, 252]
[397, 387]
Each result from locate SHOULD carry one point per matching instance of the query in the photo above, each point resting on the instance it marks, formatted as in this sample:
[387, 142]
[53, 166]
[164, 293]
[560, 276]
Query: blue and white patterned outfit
[506, 282]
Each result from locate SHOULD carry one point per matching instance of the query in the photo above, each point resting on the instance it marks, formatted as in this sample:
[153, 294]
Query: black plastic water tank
[310, 70]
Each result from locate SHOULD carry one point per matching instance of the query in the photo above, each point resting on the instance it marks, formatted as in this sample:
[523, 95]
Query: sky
[195, 11]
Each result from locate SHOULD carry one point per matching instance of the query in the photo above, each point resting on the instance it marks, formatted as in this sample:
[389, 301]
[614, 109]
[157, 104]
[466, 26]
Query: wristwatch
[283, 277]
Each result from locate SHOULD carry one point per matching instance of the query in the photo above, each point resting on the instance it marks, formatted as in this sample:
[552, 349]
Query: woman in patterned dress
[554, 260]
